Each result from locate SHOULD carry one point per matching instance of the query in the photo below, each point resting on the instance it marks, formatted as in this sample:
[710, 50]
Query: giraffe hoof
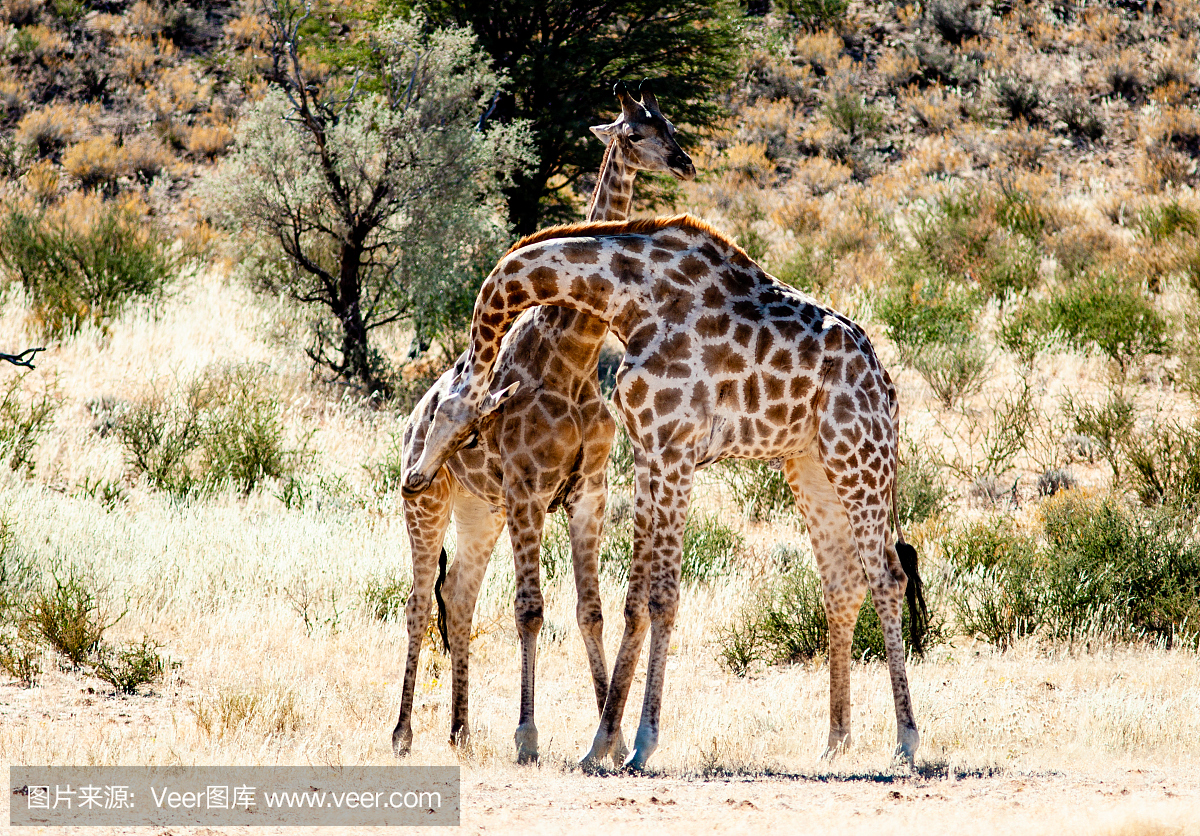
[401, 742]
[526, 739]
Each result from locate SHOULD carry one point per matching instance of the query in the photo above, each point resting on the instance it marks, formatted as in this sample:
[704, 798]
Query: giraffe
[722, 361]
[544, 447]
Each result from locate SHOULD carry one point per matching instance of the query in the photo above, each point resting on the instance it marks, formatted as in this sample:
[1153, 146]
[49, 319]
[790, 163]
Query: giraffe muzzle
[683, 168]
[414, 485]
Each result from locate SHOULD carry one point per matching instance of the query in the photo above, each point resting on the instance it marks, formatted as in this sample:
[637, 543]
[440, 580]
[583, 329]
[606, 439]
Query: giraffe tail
[441, 602]
[918, 613]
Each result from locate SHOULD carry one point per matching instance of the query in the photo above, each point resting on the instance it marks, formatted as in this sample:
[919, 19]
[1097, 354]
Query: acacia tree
[379, 198]
[563, 57]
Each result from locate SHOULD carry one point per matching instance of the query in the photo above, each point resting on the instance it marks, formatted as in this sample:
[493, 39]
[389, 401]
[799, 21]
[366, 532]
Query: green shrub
[1109, 425]
[1104, 311]
[952, 235]
[920, 491]
[1158, 223]
[955, 371]
[131, 666]
[760, 490]
[1120, 573]
[1105, 572]
[710, 548]
[222, 428]
[22, 426]
[620, 460]
[787, 625]
[67, 616]
[814, 13]
[1164, 463]
[992, 587]
[75, 275]
[923, 306]
[21, 658]
[1009, 265]
[385, 598]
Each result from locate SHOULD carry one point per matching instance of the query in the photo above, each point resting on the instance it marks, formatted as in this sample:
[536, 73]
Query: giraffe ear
[605, 133]
[493, 400]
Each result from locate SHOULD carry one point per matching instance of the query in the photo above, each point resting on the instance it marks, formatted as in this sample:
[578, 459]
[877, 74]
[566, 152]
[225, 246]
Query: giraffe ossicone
[541, 441]
[722, 361]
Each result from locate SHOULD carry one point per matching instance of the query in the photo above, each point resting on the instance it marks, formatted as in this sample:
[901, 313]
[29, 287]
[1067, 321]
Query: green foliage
[787, 625]
[955, 371]
[815, 13]
[377, 202]
[923, 306]
[562, 57]
[1105, 572]
[760, 490]
[920, 491]
[131, 665]
[1109, 424]
[1164, 463]
[850, 113]
[73, 275]
[992, 590]
[710, 548]
[20, 658]
[67, 616]
[385, 598]
[22, 426]
[1158, 223]
[221, 428]
[1105, 311]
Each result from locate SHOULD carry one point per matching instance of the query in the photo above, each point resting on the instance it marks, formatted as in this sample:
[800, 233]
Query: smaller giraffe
[538, 448]
[722, 361]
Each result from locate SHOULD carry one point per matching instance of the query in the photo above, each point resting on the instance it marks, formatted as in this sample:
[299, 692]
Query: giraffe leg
[426, 519]
[585, 510]
[526, 516]
[637, 623]
[477, 531]
[671, 490]
[842, 582]
[864, 488]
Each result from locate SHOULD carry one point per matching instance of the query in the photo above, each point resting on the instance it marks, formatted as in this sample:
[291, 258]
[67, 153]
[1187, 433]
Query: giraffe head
[445, 421]
[646, 138]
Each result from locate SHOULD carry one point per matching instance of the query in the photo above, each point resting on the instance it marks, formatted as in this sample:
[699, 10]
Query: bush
[787, 625]
[67, 616]
[77, 275]
[1106, 572]
[955, 371]
[20, 658]
[710, 548]
[1019, 97]
[1105, 311]
[920, 491]
[1164, 463]
[223, 428]
[131, 666]
[760, 490]
[22, 427]
[1121, 574]
[992, 587]
[386, 598]
[923, 306]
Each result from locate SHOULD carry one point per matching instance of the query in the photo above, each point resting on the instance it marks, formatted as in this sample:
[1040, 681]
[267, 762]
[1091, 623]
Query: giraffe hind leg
[842, 582]
[477, 530]
[864, 489]
[426, 519]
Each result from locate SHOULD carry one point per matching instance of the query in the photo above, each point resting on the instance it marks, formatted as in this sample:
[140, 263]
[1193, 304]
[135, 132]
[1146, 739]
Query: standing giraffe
[546, 446]
[722, 361]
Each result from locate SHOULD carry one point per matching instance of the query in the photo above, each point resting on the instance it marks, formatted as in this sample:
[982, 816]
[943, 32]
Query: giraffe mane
[641, 226]
[599, 180]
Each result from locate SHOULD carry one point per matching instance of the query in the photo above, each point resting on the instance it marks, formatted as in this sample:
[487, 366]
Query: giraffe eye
[636, 138]
[472, 442]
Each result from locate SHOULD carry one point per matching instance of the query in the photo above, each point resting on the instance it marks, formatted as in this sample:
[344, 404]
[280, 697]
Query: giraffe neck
[614, 188]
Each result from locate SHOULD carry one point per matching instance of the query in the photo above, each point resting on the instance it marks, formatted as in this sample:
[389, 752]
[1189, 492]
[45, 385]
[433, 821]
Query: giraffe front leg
[662, 553]
[525, 519]
[585, 510]
[426, 519]
[477, 529]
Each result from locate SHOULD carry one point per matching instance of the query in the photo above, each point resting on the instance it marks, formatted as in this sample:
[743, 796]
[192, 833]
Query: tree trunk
[524, 203]
[356, 354]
